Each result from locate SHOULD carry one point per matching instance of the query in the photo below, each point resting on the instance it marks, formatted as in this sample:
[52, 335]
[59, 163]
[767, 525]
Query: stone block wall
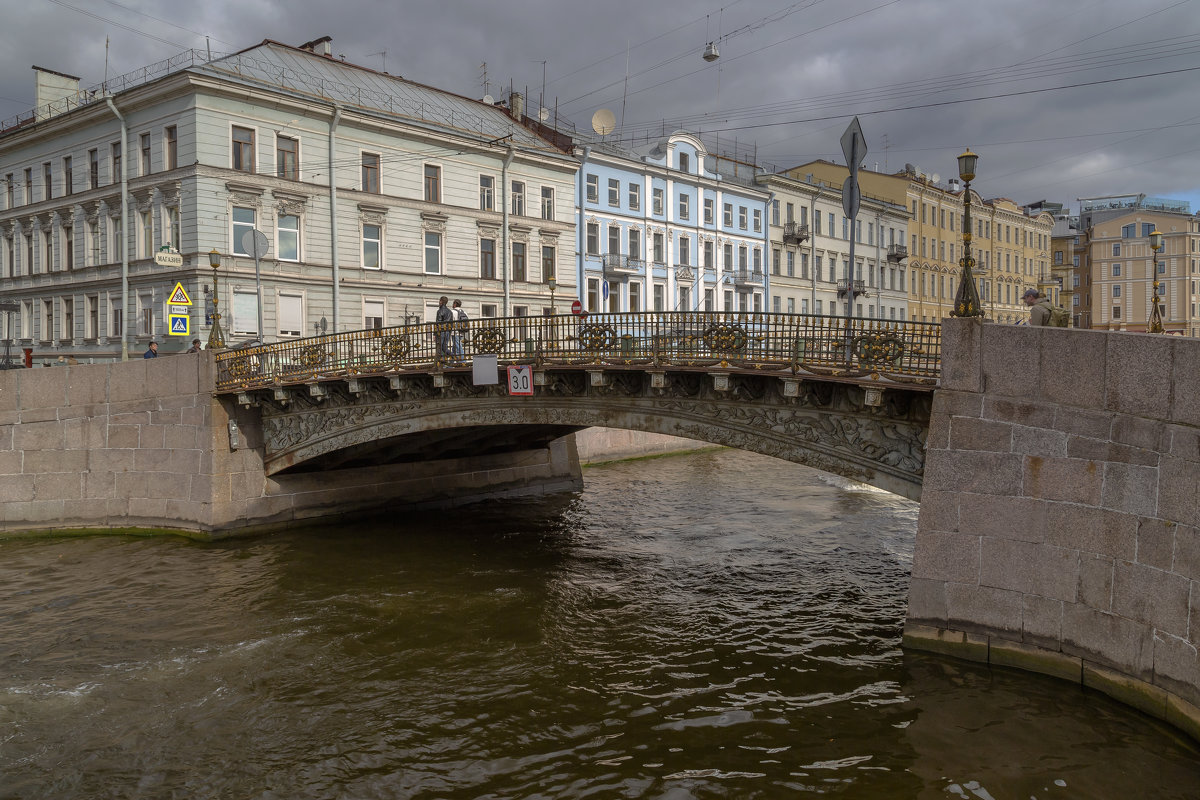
[145, 444]
[1060, 516]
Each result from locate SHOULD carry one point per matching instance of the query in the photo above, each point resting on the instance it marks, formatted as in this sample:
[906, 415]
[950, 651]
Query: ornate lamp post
[1154, 324]
[216, 337]
[966, 301]
[553, 285]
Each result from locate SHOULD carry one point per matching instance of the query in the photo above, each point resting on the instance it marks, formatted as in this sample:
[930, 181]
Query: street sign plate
[166, 259]
[179, 296]
[851, 196]
[576, 308]
[255, 243]
[520, 380]
[179, 325]
[854, 145]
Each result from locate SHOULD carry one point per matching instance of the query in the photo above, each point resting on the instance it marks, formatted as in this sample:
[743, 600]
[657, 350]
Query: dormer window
[684, 162]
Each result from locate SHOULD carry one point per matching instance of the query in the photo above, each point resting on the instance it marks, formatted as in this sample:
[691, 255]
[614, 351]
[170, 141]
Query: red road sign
[577, 308]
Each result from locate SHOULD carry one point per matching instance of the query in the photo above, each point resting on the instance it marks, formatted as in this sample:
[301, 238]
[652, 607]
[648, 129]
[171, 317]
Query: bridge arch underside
[875, 438]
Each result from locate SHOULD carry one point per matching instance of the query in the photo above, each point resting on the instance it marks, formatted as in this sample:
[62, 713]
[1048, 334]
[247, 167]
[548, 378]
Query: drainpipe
[333, 240]
[767, 262]
[124, 233]
[508, 158]
[581, 228]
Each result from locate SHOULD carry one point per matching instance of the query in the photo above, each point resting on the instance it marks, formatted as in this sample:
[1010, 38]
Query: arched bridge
[848, 396]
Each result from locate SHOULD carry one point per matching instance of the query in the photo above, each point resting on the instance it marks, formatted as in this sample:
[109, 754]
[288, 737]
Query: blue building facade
[660, 230]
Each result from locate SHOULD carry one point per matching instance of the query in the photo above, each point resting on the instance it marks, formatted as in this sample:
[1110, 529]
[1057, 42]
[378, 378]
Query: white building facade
[431, 194]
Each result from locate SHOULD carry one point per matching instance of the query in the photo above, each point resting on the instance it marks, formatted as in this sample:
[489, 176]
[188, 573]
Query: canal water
[716, 625]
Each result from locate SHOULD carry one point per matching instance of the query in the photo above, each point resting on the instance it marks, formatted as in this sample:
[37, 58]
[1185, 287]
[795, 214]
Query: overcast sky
[1061, 100]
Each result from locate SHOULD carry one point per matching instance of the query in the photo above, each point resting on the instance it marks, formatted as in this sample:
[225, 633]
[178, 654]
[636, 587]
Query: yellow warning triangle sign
[179, 297]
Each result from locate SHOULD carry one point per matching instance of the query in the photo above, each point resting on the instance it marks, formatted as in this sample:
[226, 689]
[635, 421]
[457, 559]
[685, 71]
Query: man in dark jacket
[152, 352]
[444, 315]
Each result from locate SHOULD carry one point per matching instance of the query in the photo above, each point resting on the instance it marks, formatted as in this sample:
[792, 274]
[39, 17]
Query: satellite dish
[935, 177]
[491, 101]
[543, 113]
[604, 122]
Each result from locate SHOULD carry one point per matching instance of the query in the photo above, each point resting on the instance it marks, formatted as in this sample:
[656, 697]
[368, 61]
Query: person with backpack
[1039, 307]
[460, 327]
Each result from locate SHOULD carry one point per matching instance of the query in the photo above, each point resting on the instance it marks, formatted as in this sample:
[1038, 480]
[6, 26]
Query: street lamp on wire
[1154, 324]
[966, 301]
[216, 337]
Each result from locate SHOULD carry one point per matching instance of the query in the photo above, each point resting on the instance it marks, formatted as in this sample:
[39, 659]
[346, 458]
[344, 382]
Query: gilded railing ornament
[490, 340]
[594, 337]
[727, 338]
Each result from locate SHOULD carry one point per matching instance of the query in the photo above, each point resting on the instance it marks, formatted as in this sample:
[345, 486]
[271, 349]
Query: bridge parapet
[865, 350]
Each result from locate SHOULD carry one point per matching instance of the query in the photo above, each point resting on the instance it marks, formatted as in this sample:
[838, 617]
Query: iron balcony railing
[794, 233]
[745, 277]
[843, 286]
[618, 264]
[787, 344]
[897, 253]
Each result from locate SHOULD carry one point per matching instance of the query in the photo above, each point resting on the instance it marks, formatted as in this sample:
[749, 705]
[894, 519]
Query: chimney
[322, 46]
[53, 87]
[516, 104]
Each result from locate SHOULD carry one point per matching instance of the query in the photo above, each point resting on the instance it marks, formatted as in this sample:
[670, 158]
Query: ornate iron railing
[871, 349]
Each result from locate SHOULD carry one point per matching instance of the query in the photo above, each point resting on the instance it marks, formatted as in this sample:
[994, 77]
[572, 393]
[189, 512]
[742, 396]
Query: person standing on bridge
[1039, 311]
[443, 318]
[152, 352]
[460, 327]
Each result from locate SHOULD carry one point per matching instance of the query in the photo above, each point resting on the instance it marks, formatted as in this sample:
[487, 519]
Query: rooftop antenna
[483, 79]
[625, 91]
[106, 65]
[383, 53]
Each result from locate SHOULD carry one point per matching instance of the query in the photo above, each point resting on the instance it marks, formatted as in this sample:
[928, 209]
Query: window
[728, 253]
[372, 250]
[614, 240]
[518, 262]
[68, 176]
[487, 193]
[775, 212]
[487, 310]
[48, 251]
[288, 234]
[47, 320]
[174, 229]
[791, 264]
[727, 215]
[614, 192]
[708, 211]
[28, 185]
[48, 181]
[93, 169]
[656, 201]
[91, 324]
[593, 188]
[685, 251]
[1116, 270]
[776, 262]
[118, 238]
[117, 315]
[635, 197]
[549, 269]
[487, 258]
[658, 249]
[373, 311]
[370, 172]
[146, 315]
[593, 239]
[708, 300]
[433, 183]
[1116, 312]
[1058, 257]
[685, 206]
[116, 162]
[1116, 291]
[660, 297]
[287, 157]
[433, 253]
[817, 225]
[547, 203]
[518, 199]
[170, 147]
[684, 162]
[742, 217]
[635, 297]
[1147, 229]
[9, 185]
[93, 242]
[846, 229]
[243, 222]
[243, 150]
[709, 249]
[147, 237]
[758, 220]
[144, 152]
[742, 260]
[290, 314]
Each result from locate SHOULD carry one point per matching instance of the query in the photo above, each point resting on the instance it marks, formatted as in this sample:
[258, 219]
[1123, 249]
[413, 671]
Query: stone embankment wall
[596, 445]
[145, 444]
[1060, 517]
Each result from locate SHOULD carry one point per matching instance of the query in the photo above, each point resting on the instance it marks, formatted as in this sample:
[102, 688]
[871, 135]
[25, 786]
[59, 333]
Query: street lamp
[216, 337]
[966, 301]
[1154, 324]
[553, 285]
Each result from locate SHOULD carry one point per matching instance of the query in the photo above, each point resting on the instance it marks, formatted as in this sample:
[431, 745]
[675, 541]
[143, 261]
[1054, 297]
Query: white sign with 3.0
[520, 380]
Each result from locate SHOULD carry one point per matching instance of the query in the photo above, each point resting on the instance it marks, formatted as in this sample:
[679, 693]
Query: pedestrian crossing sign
[179, 325]
[179, 297]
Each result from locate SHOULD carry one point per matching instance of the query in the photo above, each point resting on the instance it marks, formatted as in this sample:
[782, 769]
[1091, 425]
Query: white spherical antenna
[604, 122]
[491, 101]
[543, 113]
[935, 177]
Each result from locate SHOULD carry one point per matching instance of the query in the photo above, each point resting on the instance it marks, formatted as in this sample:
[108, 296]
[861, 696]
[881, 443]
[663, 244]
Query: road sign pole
[854, 147]
[258, 287]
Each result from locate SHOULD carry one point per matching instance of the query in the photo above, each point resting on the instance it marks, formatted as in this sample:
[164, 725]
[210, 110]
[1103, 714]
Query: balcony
[745, 277]
[618, 264]
[843, 286]
[897, 253]
[794, 233]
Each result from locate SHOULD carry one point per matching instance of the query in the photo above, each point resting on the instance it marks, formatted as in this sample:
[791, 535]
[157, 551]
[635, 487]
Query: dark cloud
[926, 77]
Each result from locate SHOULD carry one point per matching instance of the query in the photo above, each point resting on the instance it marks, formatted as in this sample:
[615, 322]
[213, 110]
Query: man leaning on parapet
[1039, 307]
